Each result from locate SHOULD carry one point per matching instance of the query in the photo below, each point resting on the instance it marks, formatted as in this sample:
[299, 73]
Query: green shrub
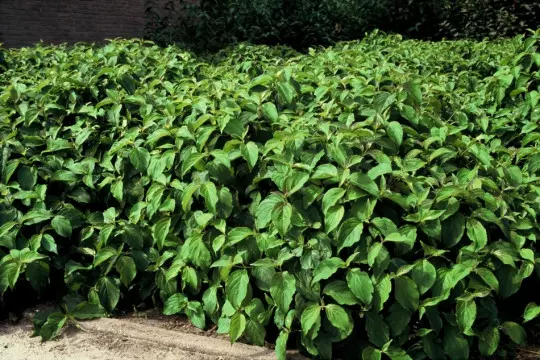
[377, 197]
[208, 25]
[212, 24]
[3, 65]
[488, 18]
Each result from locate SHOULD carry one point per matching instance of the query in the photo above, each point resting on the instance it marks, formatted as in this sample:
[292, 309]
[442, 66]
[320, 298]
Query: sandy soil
[146, 337]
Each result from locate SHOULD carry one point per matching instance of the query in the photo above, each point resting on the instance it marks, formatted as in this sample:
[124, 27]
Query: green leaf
[250, 152]
[477, 233]
[424, 275]
[331, 197]
[515, 332]
[379, 170]
[237, 287]
[397, 354]
[413, 89]
[190, 161]
[282, 290]
[365, 183]
[140, 158]
[333, 217]
[27, 257]
[281, 217]
[103, 255]
[286, 91]
[9, 273]
[210, 194]
[117, 190]
[175, 304]
[325, 171]
[26, 178]
[455, 344]
[52, 327]
[48, 243]
[87, 310]
[196, 251]
[265, 210]
[310, 319]
[255, 332]
[236, 235]
[398, 319]
[37, 274]
[263, 79]
[382, 293]
[395, 132]
[349, 233]
[465, 314]
[455, 275]
[453, 229]
[407, 294]
[127, 270]
[210, 300]
[189, 278]
[62, 226]
[339, 318]
[35, 217]
[360, 285]
[195, 313]
[489, 341]
[373, 252]
[488, 277]
[237, 327]
[269, 110]
[281, 345]
[327, 268]
[377, 329]
[370, 353]
[531, 312]
[296, 181]
[109, 292]
[161, 230]
[340, 292]
[6, 227]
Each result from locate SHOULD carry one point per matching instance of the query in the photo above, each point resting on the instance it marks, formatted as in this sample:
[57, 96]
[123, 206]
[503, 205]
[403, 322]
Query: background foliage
[378, 197]
[212, 24]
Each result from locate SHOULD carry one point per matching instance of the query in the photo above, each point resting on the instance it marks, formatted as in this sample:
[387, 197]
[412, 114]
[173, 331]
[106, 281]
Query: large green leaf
[349, 233]
[109, 292]
[140, 158]
[477, 233]
[515, 332]
[127, 269]
[281, 217]
[311, 319]
[237, 327]
[466, 314]
[175, 304]
[340, 292]
[327, 268]
[237, 287]
[62, 226]
[283, 289]
[361, 286]
[339, 317]
[407, 294]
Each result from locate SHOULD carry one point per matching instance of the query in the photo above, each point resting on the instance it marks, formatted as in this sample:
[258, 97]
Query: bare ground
[146, 337]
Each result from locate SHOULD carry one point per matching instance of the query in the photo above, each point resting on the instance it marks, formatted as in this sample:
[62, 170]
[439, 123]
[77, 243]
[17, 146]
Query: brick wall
[25, 22]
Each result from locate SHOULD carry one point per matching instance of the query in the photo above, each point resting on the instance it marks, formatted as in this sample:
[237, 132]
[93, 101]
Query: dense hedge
[212, 24]
[377, 197]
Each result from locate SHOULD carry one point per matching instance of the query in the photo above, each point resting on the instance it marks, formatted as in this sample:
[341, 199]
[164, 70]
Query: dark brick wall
[26, 22]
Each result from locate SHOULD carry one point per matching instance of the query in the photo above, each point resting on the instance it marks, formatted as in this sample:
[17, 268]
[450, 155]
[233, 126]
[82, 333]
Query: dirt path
[134, 338]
